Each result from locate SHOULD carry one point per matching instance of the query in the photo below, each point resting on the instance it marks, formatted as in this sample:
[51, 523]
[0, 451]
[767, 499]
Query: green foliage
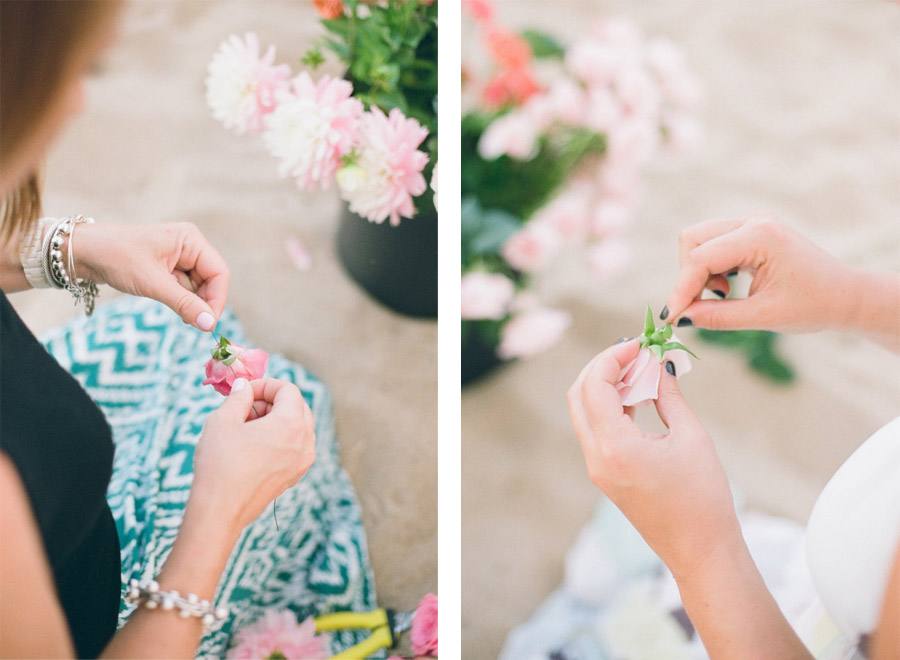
[758, 347]
[483, 234]
[521, 187]
[390, 51]
[659, 340]
[543, 45]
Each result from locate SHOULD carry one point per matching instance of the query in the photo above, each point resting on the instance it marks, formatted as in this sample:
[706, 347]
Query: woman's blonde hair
[39, 42]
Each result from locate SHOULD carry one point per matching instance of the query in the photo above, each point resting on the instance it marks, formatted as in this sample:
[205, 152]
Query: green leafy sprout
[223, 353]
[658, 340]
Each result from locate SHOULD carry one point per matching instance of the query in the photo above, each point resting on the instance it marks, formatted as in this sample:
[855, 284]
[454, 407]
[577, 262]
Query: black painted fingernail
[622, 340]
[719, 293]
[732, 273]
[670, 367]
[664, 313]
[684, 321]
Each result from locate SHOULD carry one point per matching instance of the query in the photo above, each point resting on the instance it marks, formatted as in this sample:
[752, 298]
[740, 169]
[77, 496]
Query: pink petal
[298, 253]
[645, 385]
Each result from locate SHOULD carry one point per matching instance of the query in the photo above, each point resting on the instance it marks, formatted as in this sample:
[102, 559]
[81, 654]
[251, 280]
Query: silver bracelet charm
[56, 272]
[148, 593]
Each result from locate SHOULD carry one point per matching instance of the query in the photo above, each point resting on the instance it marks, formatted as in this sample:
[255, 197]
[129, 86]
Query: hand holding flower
[230, 362]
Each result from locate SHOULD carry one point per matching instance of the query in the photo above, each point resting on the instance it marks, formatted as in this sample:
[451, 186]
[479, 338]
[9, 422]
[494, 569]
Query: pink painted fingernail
[205, 321]
[239, 384]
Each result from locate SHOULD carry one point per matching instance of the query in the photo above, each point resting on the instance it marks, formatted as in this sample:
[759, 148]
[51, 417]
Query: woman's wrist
[88, 252]
[870, 303]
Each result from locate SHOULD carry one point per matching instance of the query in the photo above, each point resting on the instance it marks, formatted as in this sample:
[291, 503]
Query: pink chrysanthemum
[242, 84]
[277, 634]
[312, 128]
[386, 171]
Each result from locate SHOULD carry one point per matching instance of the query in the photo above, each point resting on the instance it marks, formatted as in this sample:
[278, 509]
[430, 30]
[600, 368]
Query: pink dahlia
[312, 129]
[242, 84]
[278, 635]
[230, 362]
[384, 172]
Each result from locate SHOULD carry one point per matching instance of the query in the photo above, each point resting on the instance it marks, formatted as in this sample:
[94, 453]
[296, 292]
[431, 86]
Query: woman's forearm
[732, 610]
[195, 565]
[12, 276]
[871, 306]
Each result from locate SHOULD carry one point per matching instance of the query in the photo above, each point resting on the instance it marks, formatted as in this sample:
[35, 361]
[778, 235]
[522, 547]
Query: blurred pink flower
[424, 632]
[313, 128]
[593, 62]
[619, 31]
[682, 133]
[532, 331]
[485, 295]
[639, 381]
[388, 167]
[532, 247]
[604, 110]
[568, 212]
[632, 143]
[509, 50]
[510, 87]
[609, 258]
[514, 134]
[638, 92]
[298, 253]
[619, 182]
[565, 101]
[230, 362]
[242, 84]
[277, 634]
[610, 217]
[480, 10]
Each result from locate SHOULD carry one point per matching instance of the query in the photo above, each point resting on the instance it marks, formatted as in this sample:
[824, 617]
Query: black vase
[479, 358]
[397, 266]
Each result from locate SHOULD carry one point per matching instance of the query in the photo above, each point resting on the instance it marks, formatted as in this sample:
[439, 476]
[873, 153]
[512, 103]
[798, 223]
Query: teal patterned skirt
[143, 366]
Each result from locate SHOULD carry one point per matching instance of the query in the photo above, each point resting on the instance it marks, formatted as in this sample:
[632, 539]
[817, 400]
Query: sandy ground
[146, 150]
[802, 120]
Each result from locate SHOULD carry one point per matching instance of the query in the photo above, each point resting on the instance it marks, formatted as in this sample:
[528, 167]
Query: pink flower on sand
[313, 128]
[242, 85]
[532, 247]
[278, 635]
[424, 631]
[230, 362]
[486, 295]
[384, 172]
[639, 380]
[515, 134]
[532, 331]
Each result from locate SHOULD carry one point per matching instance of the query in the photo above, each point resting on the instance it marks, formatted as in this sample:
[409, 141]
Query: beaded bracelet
[54, 269]
[148, 593]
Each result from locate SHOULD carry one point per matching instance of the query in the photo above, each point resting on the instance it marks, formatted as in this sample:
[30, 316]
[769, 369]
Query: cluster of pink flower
[639, 94]
[318, 131]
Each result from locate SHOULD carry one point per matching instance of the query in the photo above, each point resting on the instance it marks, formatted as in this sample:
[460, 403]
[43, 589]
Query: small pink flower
[329, 9]
[568, 212]
[593, 62]
[610, 217]
[313, 128]
[638, 92]
[230, 362]
[639, 380]
[485, 295]
[277, 634]
[242, 85]
[387, 167]
[531, 332]
[515, 134]
[532, 247]
[632, 143]
[508, 49]
[424, 632]
[510, 87]
[604, 110]
[481, 10]
[682, 133]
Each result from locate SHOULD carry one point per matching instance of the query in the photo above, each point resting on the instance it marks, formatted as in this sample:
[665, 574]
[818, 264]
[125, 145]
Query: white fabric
[854, 530]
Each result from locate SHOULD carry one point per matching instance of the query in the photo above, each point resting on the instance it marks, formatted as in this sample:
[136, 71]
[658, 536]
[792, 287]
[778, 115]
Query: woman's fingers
[719, 285]
[602, 404]
[701, 232]
[744, 314]
[208, 270]
[193, 310]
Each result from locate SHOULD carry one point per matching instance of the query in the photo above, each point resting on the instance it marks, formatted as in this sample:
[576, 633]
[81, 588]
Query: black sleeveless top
[62, 448]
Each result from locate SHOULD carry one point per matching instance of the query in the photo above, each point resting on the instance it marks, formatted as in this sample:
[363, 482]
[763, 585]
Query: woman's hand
[259, 442]
[796, 285]
[172, 263]
[671, 487]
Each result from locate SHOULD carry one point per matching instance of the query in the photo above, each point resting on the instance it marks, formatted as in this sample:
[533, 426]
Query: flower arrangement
[278, 636]
[553, 146]
[373, 133]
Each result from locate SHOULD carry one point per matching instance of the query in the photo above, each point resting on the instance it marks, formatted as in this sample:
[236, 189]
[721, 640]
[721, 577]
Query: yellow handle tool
[380, 638]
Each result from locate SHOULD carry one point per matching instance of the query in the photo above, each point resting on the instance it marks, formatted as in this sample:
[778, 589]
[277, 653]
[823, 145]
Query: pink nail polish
[205, 321]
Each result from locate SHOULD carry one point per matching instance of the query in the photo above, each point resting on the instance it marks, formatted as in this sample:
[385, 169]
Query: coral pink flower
[386, 166]
[329, 9]
[424, 632]
[510, 87]
[485, 295]
[481, 10]
[639, 380]
[278, 635]
[230, 362]
[242, 85]
[531, 332]
[313, 128]
[515, 134]
[508, 49]
[532, 247]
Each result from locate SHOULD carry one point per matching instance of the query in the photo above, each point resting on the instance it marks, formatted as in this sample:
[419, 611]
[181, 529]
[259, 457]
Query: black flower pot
[479, 358]
[396, 265]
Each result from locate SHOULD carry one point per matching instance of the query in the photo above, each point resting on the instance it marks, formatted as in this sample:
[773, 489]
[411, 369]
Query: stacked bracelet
[148, 593]
[55, 270]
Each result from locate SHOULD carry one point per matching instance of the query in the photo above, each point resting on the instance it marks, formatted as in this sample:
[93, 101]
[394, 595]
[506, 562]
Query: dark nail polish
[732, 273]
[670, 367]
[719, 293]
[664, 313]
[684, 322]
[622, 340]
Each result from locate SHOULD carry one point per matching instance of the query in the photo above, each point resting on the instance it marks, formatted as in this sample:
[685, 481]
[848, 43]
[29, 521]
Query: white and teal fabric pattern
[144, 368]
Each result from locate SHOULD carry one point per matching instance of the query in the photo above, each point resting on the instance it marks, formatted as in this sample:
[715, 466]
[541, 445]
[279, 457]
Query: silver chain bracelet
[55, 271]
[148, 593]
